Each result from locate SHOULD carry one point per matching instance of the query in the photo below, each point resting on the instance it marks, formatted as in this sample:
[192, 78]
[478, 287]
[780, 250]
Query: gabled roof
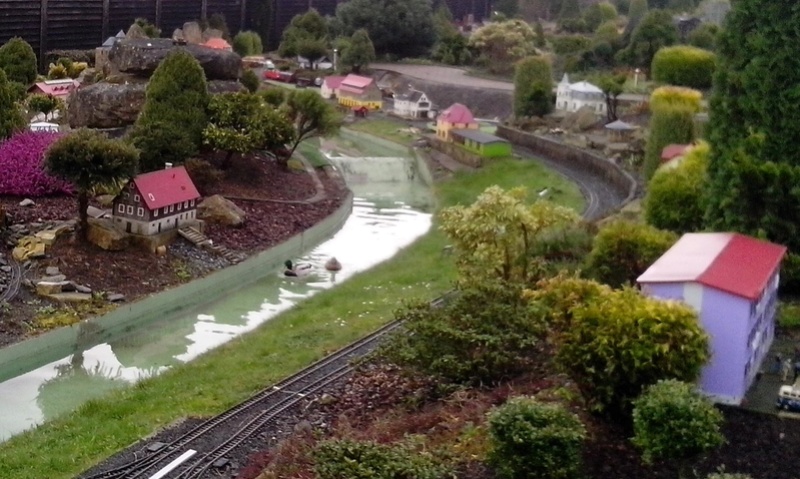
[584, 87]
[479, 136]
[457, 113]
[333, 82]
[110, 41]
[357, 81]
[411, 95]
[56, 87]
[166, 187]
[217, 44]
[731, 262]
[673, 151]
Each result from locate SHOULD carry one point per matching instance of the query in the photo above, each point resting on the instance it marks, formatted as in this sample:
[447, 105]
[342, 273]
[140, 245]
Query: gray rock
[115, 297]
[57, 278]
[5, 269]
[216, 87]
[192, 32]
[27, 202]
[52, 271]
[3, 261]
[135, 32]
[82, 289]
[141, 57]
[210, 33]
[106, 105]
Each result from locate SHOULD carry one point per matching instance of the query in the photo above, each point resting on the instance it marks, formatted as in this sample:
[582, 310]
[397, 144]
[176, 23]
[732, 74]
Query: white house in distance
[574, 96]
[412, 104]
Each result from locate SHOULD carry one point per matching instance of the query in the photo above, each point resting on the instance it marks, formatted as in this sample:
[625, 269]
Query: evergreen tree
[754, 168]
[668, 125]
[636, 12]
[570, 9]
[305, 36]
[655, 31]
[175, 104]
[18, 60]
[403, 28]
[11, 119]
[533, 87]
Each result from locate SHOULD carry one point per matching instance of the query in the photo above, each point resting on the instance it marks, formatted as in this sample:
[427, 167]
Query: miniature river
[391, 209]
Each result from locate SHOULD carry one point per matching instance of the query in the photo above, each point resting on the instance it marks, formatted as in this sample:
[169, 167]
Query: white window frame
[120, 208]
[136, 198]
[130, 210]
[140, 212]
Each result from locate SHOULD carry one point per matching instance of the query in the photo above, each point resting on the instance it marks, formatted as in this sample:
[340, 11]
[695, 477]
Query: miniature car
[788, 399]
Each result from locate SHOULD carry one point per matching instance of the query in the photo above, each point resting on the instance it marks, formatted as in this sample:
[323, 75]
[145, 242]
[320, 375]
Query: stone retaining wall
[559, 152]
[54, 345]
[457, 153]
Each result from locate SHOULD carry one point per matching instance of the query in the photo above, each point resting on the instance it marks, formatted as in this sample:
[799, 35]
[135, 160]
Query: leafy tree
[494, 236]
[684, 66]
[704, 36]
[753, 125]
[675, 199]
[636, 13]
[87, 158]
[488, 332]
[570, 9]
[453, 50]
[613, 86]
[250, 81]
[339, 458]
[306, 36]
[524, 428]
[509, 8]
[533, 87]
[623, 250]
[274, 96]
[599, 13]
[240, 123]
[608, 32]
[443, 22]
[668, 125]
[672, 422]
[176, 98]
[621, 342]
[148, 28]
[541, 39]
[403, 28]
[247, 43]
[310, 115]
[654, 32]
[11, 117]
[44, 104]
[503, 43]
[18, 61]
[358, 52]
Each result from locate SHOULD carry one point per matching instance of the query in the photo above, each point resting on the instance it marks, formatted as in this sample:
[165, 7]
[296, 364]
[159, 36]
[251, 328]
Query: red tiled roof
[356, 81]
[457, 113]
[217, 44]
[730, 262]
[333, 82]
[166, 187]
[673, 151]
[55, 89]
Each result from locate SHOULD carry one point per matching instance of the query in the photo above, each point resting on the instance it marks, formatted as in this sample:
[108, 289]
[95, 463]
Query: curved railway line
[199, 452]
[14, 282]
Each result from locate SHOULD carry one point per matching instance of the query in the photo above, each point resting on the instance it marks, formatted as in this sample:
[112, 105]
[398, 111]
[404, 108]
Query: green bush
[274, 96]
[484, 334]
[561, 294]
[533, 87]
[728, 475]
[534, 440]
[668, 125]
[684, 65]
[670, 95]
[203, 174]
[565, 44]
[673, 422]
[621, 342]
[343, 458]
[12, 119]
[18, 60]
[161, 142]
[675, 196]
[623, 250]
[247, 43]
[250, 81]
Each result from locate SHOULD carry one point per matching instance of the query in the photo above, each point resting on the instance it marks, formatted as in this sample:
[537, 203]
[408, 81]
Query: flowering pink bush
[22, 166]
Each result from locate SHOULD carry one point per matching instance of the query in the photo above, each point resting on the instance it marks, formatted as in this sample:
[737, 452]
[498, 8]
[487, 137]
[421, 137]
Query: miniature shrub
[247, 43]
[673, 422]
[487, 332]
[533, 87]
[57, 72]
[274, 96]
[22, 166]
[250, 81]
[161, 142]
[561, 294]
[675, 197]
[336, 459]
[669, 124]
[18, 60]
[623, 250]
[203, 174]
[11, 119]
[684, 65]
[666, 96]
[534, 440]
[621, 342]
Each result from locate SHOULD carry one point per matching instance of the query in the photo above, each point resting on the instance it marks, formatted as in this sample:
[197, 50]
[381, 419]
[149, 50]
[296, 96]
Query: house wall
[132, 215]
[349, 100]
[443, 128]
[327, 92]
[569, 100]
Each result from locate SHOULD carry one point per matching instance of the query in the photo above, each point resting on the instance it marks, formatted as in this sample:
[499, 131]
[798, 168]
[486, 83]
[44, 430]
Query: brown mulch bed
[135, 274]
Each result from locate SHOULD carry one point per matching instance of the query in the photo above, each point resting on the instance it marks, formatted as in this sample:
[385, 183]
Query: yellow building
[457, 117]
[356, 91]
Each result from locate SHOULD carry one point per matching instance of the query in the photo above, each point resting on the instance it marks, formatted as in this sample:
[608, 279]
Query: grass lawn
[386, 129]
[231, 373]
[310, 150]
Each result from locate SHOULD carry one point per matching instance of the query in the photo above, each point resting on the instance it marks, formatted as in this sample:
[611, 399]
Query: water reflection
[391, 210]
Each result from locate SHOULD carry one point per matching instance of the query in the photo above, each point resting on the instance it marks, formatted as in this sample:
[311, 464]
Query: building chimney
[167, 166]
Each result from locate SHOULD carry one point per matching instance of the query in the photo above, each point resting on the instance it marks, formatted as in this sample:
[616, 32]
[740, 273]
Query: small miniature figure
[333, 264]
[296, 270]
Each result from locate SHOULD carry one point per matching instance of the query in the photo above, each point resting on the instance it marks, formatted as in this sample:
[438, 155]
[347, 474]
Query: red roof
[730, 262]
[217, 44]
[166, 187]
[457, 113]
[673, 151]
[356, 81]
[57, 89]
[333, 82]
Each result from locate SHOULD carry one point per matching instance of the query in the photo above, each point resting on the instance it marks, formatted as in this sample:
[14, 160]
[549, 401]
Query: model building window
[121, 208]
[135, 197]
[130, 209]
[140, 211]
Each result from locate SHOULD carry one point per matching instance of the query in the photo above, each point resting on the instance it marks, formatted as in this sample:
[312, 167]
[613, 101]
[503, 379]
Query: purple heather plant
[22, 170]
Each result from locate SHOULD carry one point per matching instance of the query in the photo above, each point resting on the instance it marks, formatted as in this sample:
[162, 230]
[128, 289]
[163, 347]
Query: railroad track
[14, 283]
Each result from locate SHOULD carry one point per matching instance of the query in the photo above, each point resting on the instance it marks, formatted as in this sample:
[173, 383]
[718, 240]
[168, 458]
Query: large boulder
[192, 32]
[582, 119]
[142, 56]
[106, 105]
[225, 86]
[103, 234]
[217, 209]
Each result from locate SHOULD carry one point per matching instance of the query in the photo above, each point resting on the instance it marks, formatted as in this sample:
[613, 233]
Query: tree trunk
[83, 205]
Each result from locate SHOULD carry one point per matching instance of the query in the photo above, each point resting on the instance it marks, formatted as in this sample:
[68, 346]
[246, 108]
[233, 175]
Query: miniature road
[439, 74]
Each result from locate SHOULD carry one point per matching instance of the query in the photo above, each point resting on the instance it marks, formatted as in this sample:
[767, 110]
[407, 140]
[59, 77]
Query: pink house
[357, 91]
[330, 86]
[731, 280]
[456, 117]
[57, 88]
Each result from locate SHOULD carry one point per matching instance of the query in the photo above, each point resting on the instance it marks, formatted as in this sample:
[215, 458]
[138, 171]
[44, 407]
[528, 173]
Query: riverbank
[286, 343]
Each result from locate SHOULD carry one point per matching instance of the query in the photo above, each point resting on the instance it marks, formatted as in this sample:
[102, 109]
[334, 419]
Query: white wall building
[573, 96]
[414, 104]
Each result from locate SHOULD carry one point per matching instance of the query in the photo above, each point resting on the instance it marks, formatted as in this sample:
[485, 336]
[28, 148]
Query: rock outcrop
[103, 234]
[106, 105]
[142, 56]
[217, 209]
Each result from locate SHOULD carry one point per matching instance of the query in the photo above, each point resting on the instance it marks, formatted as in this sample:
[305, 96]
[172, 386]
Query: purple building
[731, 280]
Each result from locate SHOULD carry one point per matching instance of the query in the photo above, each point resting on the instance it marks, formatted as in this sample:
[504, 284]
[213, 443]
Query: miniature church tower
[563, 93]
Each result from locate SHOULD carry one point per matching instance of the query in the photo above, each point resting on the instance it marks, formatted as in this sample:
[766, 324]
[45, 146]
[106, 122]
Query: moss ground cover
[231, 373]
